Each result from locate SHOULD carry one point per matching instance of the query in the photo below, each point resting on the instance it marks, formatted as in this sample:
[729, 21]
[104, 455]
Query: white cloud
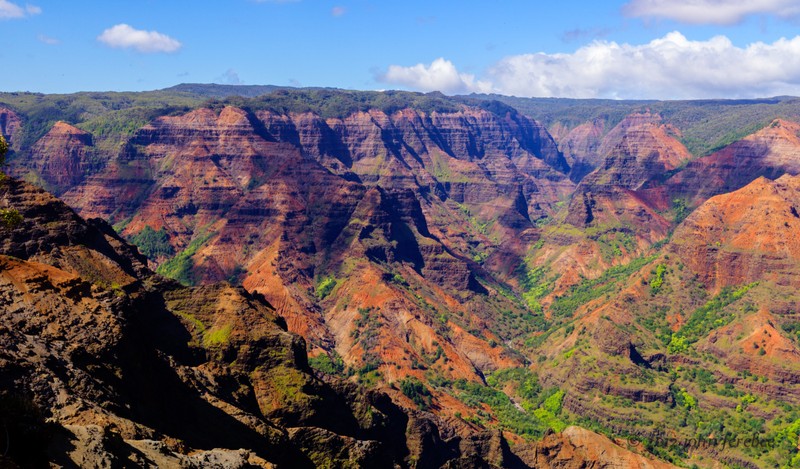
[668, 67]
[671, 67]
[10, 10]
[440, 75]
[124, 36]
[50, 41]
[723, 12]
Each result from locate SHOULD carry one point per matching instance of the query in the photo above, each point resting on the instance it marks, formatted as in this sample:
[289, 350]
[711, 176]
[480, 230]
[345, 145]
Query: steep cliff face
[745, 236]
[63, 157]
[638, 150]
[611, 217]
[451, 153]
[106, 363]
[770, 152]
[433, 254]
[581, 147]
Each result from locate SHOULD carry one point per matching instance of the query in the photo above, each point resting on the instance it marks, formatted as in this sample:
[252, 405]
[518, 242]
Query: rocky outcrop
[579, 448]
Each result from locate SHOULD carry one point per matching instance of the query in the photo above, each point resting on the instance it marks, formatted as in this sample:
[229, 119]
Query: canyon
[515, 282]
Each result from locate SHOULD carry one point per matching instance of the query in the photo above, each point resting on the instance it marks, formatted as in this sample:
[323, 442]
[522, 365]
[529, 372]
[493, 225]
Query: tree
[3, 150]
[9, 217]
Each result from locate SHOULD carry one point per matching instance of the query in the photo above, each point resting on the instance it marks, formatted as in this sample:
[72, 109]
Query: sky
[625, 49]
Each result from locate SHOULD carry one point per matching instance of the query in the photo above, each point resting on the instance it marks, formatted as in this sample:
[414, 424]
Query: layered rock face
[399, 203]
[770, 152]
[638, 150]
[63, 156]
[451, 152]
[441, 249]
[106, 363]
[745, 236]
[581, 147]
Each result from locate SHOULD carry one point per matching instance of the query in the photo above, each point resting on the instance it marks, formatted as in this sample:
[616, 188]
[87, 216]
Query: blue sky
[667, 49]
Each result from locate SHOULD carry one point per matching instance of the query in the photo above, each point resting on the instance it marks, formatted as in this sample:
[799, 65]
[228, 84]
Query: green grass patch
[217, 336]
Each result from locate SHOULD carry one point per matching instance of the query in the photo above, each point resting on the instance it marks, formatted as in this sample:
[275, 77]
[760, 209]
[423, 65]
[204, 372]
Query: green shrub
[658, 279]
[153, 243]
[329, 364]
[10, 217]
[413, 389]
[181, 267]
[3, 150]
[325, 287]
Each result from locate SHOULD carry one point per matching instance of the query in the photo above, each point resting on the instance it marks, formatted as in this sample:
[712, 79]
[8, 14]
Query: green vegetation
[707, 317]
[705, 126]
[3, 150]
[549, 410]
[217, 336]
[152, 243]
[658, 278]
[680, 209]
[683, 398]
[181, 267]
[325, 287]
[9, 217]
[787, 444]
[332, 364]
[531, 412]
[366, 333]
[534, 286]
[413, 389]
[615, 244]
[331, 103]
[588, 290]
[100, 112]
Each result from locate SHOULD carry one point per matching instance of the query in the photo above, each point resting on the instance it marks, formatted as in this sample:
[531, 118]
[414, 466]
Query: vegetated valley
[379, 279]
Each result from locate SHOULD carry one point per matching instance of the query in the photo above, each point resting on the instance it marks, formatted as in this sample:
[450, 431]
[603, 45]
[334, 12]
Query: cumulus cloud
[440, 75]
[671, 67]
[125, 37]
[668, 67]
[10, 10]
[722, 12]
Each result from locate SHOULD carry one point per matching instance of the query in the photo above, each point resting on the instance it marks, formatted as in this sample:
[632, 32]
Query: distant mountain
[223, 91]
[503, 263]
